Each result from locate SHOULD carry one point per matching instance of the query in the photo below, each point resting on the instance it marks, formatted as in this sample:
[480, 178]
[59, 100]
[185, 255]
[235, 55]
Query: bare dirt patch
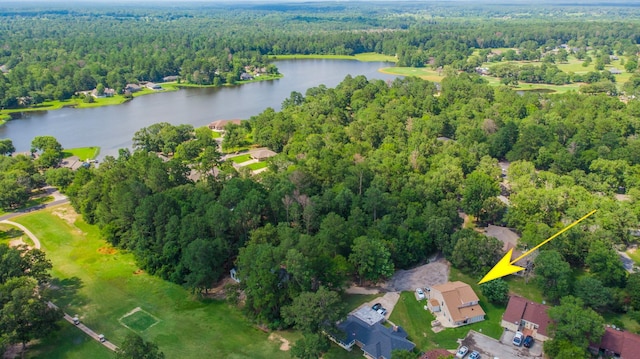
[67, 214]
[219, 290]
[285, 344]
[17, 242]
[107, 250]
[138, 271]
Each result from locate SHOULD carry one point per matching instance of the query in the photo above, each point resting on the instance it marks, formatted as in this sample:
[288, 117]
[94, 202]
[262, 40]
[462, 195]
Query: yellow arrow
[505, 267]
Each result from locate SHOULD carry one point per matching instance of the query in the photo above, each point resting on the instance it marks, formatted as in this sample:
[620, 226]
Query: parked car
[376, 306]
[102, 338]
[76, 320]
[474, 355]
[382, 311]
[528, 341]
[517, 339]
[462, 352]
[420, 293]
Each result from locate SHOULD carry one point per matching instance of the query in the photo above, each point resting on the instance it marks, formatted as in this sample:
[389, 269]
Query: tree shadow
[65, 292]
[11, 233]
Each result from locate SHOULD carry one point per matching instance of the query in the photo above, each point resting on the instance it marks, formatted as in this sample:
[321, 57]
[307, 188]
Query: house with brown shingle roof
[616, 343]
[262, 154]
[455, 304]
[220, 124]
[529, 317]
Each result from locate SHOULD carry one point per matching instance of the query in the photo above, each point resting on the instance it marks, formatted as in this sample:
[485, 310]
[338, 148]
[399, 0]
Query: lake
[112, 127]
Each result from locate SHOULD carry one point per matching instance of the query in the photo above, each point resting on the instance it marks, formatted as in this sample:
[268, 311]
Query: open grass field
[83, 153]
[421, 72]
[241, 158]
[257, 166]
[365, 57]
[102, 285]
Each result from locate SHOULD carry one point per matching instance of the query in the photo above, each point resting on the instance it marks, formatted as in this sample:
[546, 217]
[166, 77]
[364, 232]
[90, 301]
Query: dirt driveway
[436, 272]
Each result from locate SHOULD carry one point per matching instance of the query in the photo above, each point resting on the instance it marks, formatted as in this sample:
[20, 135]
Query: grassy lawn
[421, 72]
[216, 134]
[528, 290]
[83, 153]
[635, 255]
[365, 57]
[241, 158]
[257, 166]
[102, 285]
[30, 203]
[411, 315]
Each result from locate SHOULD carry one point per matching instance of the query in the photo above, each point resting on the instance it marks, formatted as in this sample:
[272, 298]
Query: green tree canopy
[575, 323]
[134, 347]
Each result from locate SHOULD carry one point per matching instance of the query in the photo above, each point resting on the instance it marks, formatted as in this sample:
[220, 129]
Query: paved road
[35, 208]
[86, 329]
[67, 317]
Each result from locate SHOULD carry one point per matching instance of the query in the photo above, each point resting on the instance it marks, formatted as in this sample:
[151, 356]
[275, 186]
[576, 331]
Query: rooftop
[520, 308]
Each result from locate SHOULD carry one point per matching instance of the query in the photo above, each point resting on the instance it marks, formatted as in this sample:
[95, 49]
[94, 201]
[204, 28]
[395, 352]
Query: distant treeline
[51, 52]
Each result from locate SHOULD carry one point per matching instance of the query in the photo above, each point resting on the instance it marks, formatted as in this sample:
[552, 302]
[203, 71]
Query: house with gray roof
[365, 330]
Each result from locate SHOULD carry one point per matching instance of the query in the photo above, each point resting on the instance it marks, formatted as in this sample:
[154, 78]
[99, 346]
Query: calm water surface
[112, 127]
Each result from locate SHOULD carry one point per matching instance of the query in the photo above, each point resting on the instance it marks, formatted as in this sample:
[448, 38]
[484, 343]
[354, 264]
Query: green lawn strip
[421, 72]
[635, 255]
[365, 57]
[216, 134]
[83, 153]
[353, 301]
[241, 158]
[101, 285]
[257, 166]
[30, 203]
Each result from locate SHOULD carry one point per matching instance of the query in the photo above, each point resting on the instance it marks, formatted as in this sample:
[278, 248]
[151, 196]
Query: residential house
[245, 76]
[220, 124]
[509, 241]
[529, 317]
[483, 71]
[108, 92]
[618, 344]
[364, 329]
[615, 71]
[455, 304]
[262, 154]
[132, 88]
[153, 86]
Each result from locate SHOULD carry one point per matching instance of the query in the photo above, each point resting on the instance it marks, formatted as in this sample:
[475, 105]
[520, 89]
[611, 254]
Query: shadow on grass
[65, 292]
[11, 233]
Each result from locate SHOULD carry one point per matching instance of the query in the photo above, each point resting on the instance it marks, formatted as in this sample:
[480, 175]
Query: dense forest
[370, 178]
[51, 52]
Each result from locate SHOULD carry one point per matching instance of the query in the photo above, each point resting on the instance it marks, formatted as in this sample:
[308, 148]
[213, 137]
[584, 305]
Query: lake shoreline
[8, 114]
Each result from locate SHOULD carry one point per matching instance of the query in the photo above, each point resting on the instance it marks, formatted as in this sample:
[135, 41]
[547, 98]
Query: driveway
[436, 272]
[503, 349]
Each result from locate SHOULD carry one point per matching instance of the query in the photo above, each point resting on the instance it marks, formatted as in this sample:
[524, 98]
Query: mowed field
[109, 293]
[572, 65]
